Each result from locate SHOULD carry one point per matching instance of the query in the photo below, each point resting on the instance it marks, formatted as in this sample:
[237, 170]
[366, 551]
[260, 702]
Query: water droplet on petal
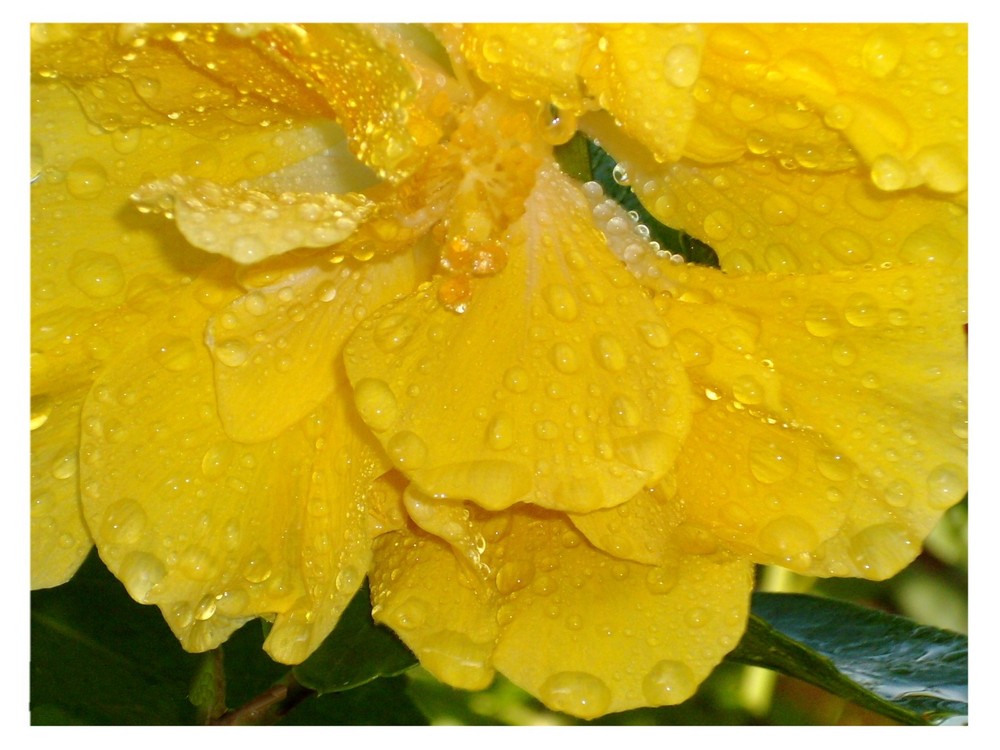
[86, 179]
[140, 572]
[946, 485]
[668, 683]
[376, 403]
[576, 693]
[771, 462]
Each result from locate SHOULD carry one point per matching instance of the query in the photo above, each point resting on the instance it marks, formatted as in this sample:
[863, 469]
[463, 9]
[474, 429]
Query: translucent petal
[556, 386]
[276, 347]
[213, 531]
[59, 538]
[758, 216]
[832, 433]
[585, 633]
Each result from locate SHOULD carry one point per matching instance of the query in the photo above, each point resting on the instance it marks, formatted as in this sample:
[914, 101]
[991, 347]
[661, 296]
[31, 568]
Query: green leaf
[98, 657]
[356, 652]
[911, 673]
[604, 170]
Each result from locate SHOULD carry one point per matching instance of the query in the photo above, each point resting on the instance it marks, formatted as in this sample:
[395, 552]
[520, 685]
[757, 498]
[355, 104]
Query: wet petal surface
[576, 400]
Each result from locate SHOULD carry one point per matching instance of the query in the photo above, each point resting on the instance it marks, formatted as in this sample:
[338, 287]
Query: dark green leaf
[356, 652]
[912, 673]
[97, 657]
[602, 169]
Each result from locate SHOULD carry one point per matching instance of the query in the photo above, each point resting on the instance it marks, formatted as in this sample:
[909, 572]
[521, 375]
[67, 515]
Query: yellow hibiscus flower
[311, 303]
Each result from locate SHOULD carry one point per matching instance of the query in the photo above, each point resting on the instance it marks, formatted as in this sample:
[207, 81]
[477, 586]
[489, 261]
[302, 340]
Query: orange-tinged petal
[835, 407]
[276, 347]
[556, 386]
[59, 538]
[897, 93]
[213, 531]
[585, 633]
[758, 216]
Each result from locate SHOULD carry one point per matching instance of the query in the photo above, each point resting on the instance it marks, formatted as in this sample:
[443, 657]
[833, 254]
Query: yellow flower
[386, 335]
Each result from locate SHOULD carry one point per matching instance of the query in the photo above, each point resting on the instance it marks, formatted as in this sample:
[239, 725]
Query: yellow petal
[896, 93]
[643, 75]
[249, 225]
[213, 531]
[832, 434]
[585, 633]
[438, 605]
[59, 538]
[639, 529]
[203, 76]
[527, 61]
[276, 347]
[758, 217]
[556, 386]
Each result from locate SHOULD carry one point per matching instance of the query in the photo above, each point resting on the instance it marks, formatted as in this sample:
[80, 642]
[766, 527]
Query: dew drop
[787, 536]
[862, 310]
[821, 319]
[779, 210]
[747, 390]
[881, 54]
[394, 331]
[232, 352]
[406, 450]
[576, 693]
[65, 465]
[140, 572]
[98, 275]
[624, 411]
[889, 173]
[516, 380]
[946, 485]
[770, 462]
[561, 302]
[376, 403]
[668, 683]
[661, 580]
[514, 575]
[609, 352]
[500, 432]
[123, 522]
[175, 353]
[682, 65]
[564, 358]
[86, 179]
[846, 246]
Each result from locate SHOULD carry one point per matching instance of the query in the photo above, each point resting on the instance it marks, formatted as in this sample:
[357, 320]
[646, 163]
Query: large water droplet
[946, 485]
[232, 352]
[123, 523]
[376, 403]
[514, 575]
[97, 275]
[771, 462]
[140, 572]
[668, 683]
[86, 179]
[576, 693]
